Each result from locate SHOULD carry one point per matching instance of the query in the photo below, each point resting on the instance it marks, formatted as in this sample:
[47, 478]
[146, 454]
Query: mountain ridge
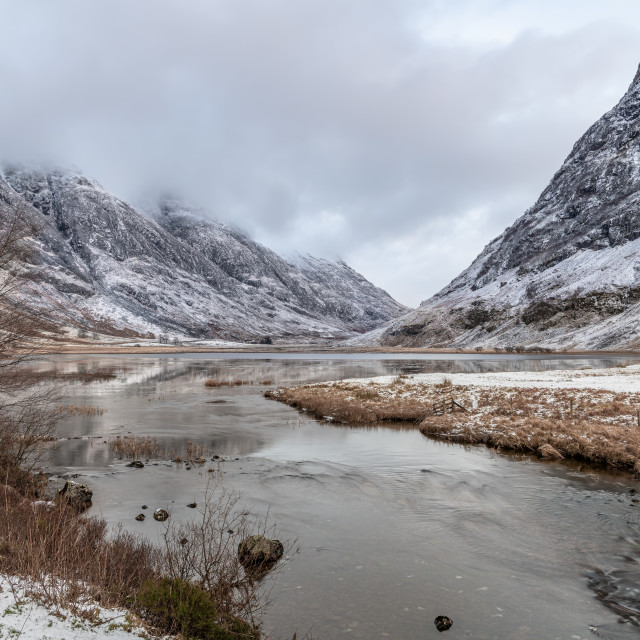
[105, 265]
[566, 274]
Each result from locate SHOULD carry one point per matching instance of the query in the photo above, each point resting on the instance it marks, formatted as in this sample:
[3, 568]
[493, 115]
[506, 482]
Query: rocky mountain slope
[565, 274]
[105, 266]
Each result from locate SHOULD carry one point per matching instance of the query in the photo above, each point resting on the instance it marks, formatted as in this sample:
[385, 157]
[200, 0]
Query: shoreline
[85, 348]
[588, 415]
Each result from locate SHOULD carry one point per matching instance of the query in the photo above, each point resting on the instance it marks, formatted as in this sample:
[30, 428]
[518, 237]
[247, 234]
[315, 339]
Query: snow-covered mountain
[567, 273]
[105, 266]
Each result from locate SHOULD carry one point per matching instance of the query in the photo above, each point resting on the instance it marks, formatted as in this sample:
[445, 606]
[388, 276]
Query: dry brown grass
[599, 427]
[615, 446]
[131, 447]
[82, 410]
[356, 406]
[86, 377]
[67, 560]
[73, 563]
[134, 447]
[213, 383]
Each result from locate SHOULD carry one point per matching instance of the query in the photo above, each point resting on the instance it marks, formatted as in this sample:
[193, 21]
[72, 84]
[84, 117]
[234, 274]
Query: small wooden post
[638, 414]
[571, 408]
[511, 405]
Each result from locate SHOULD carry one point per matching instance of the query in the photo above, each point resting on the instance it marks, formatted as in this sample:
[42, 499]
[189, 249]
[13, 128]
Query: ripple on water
[619, 590]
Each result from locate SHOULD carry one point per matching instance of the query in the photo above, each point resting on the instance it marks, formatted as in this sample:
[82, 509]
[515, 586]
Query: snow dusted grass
[589, 415]
[22, 616]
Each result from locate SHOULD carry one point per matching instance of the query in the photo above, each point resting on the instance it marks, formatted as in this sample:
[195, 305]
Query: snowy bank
[21, 616]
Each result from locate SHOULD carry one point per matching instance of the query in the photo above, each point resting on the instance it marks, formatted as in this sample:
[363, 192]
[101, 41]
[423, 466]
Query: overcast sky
[401, 135]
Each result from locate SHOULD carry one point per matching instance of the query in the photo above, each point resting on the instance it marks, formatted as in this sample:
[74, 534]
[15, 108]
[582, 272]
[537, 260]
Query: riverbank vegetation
[192, 584]
[597, 426]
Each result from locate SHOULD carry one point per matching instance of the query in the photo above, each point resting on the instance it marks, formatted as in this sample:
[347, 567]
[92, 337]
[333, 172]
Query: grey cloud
[324, 126]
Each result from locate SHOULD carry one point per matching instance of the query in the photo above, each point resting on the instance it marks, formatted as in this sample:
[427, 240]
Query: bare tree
[27, 412]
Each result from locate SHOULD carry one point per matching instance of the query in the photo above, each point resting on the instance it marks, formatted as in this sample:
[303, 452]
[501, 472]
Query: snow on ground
[623, 380]
[29, 620]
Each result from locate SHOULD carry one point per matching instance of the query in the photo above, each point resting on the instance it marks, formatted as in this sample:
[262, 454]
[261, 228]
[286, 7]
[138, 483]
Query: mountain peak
[566, 273]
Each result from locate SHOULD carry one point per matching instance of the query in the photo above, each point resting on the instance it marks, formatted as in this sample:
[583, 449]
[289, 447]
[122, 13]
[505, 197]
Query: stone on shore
[76, 495]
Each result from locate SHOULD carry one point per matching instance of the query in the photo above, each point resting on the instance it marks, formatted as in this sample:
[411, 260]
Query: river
[394, 528]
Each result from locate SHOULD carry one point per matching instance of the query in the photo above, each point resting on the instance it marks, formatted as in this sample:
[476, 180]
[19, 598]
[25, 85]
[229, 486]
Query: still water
[394, 528]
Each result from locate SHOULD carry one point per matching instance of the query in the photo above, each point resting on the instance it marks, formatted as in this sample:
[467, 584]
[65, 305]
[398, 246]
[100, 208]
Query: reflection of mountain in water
[149, 370]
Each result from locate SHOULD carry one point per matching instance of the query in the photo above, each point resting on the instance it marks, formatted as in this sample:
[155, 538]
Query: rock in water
[443, 623]
[76, 495]
[160, 515]
[258, 554]
[140, 517]
[136, 464]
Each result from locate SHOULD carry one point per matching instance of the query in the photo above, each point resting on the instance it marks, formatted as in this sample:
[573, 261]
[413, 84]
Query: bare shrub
[27, 412]
[70, 561]
[205, 552]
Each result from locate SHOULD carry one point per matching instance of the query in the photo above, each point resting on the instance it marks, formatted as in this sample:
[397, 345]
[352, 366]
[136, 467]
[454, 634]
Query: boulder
[443, 623]
[136, 464]
[140, 517]
[258, 554]
[76, 495]
[160, 515]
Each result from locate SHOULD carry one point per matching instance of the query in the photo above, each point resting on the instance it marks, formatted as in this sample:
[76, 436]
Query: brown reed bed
[134, 447]
[598, 427]
[81, 410]
[86, 377]
[193, 453]
[213, 383]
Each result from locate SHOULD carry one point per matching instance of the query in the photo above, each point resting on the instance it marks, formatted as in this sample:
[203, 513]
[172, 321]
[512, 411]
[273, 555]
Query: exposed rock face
[567, 273]
[111, 268]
